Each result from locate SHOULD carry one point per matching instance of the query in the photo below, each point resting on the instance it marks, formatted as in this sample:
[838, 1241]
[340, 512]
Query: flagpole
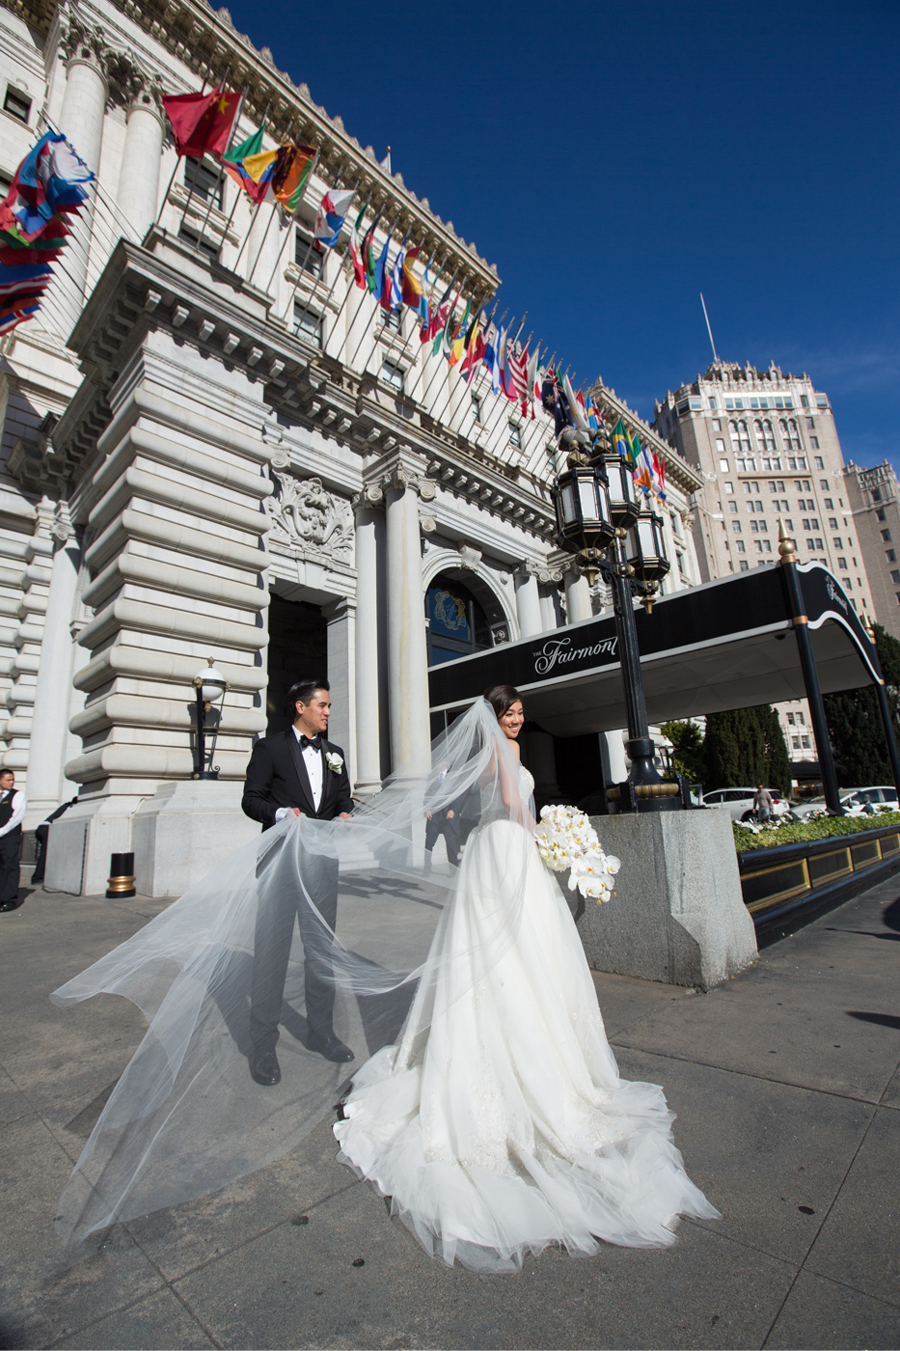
[431, 407]
[502, 395]
[237, 118]
[350, 286]
[420, 374]
[200, 163]
[440, 352]
[291, 222]
[309, 247]
[401, 356]
[387, 244]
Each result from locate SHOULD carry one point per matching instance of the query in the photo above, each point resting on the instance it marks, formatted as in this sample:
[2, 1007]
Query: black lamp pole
[600, 547]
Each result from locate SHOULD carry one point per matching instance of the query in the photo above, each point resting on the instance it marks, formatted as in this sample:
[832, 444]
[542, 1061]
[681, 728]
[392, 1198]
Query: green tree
[855, 726]
[687, 741]
[745, 747]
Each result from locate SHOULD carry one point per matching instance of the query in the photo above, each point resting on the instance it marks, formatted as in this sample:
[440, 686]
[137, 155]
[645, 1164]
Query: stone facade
[873, 496]
[203, 430]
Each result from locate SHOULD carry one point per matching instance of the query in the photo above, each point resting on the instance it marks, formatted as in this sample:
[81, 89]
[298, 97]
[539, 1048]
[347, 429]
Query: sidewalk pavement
[787, 1089]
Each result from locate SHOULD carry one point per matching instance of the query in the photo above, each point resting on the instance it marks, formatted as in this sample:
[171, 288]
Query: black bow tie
[313, 741]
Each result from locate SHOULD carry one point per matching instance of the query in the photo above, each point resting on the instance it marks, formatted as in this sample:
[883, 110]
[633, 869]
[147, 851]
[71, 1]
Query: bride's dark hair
[501, 698]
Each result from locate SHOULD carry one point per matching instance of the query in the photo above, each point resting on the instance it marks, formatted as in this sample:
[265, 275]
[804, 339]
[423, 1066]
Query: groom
[297, 772]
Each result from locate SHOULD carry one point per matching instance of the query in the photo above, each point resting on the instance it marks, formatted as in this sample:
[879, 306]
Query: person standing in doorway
[12, 810]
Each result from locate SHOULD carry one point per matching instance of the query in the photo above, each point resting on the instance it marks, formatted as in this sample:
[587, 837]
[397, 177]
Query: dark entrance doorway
[298, 646]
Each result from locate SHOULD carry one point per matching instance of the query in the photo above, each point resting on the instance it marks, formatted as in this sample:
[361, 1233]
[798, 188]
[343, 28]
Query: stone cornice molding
[207, 42]
[546, 574]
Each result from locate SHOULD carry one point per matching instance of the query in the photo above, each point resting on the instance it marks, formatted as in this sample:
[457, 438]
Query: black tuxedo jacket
[277, 777]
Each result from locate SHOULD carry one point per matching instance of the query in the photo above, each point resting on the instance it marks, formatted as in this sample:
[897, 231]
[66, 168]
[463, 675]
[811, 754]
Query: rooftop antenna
[708, 329]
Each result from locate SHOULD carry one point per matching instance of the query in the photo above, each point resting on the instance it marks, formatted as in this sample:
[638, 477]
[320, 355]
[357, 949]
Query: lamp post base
[205, 774]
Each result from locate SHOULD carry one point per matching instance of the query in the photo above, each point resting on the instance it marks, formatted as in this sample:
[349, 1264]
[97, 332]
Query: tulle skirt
[498, 1124]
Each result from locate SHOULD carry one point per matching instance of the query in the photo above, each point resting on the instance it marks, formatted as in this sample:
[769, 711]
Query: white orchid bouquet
[567, 840]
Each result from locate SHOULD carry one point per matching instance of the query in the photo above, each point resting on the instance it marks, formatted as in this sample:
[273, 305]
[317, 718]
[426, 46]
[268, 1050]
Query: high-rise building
[874, 499]
[768, 450]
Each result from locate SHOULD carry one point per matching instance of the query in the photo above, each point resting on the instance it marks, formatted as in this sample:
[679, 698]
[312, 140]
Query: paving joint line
[815, 1240]
[763, 1078]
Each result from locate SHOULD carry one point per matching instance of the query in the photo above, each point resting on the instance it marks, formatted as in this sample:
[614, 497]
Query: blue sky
[615, 159]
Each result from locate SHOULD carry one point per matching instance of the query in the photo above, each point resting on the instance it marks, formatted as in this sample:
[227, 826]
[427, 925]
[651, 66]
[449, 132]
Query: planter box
[790, 885]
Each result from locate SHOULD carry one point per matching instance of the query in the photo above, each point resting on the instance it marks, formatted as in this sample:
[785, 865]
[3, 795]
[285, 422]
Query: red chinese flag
[202, 123]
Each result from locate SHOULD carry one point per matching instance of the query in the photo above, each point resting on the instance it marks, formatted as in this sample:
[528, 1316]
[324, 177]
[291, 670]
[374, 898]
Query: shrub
[819, 828]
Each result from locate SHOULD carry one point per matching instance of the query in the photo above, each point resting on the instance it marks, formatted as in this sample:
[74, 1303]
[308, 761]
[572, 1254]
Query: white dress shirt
[19, 803]
[312, 759]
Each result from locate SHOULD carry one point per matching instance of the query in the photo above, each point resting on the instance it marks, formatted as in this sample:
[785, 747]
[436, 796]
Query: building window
[393, 375]
[723, 466]
[307, 259]
[740, 547]
[879, 515]
[790, 718]
[804, 401]
[823, 484]
[198, 241]
[732, 506]
[729, 487]
[836, 542]
[891, 555]
[821, 401]
[390, 319]
[712, 402]
[740, 437]
[876, 494]
[895, 576]
[717, 427]
[203, 180]
[515, 434]
[832, 523]
[814, 442]
[307, 324]
[736, 527]
[457, 623]
[804, 741]
[829, 504]
[842, 564]
[17, 104]
[820, 544]
[886, 536]
[745, 567]
[476, 408]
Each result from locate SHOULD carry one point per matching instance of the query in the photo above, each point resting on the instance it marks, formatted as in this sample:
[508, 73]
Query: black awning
[723, 645]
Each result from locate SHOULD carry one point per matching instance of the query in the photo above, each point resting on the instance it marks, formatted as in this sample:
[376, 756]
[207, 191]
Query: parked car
[739, 802]
[855, 801]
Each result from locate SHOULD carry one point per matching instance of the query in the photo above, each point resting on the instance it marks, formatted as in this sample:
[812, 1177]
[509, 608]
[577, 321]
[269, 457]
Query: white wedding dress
[498, 1124]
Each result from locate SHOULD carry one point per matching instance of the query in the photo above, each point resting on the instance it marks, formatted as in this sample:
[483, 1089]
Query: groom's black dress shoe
[329, 1047]
[264, 1068]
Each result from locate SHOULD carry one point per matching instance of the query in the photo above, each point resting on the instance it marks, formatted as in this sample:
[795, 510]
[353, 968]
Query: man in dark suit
[297, 772]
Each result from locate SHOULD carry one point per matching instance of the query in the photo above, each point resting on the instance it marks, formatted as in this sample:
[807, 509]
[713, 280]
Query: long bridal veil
[185, 1117]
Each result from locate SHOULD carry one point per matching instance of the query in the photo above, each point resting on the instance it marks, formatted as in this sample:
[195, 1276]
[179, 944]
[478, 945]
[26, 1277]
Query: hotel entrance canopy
[720, 646]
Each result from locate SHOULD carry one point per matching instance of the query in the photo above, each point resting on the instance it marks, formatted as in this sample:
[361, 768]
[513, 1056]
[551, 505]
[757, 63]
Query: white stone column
[31, 609]
[81, 120]
[46, 784]
[141, 159]
[528, 601]
[578, 597]
[341, 619]
[368, 694]
[407, 653]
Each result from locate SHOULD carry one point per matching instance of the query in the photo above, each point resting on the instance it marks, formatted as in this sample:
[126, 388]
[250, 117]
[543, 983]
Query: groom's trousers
[282, 902]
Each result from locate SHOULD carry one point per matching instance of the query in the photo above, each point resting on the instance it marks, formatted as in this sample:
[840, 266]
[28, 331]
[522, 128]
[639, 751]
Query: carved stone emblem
[305, 513]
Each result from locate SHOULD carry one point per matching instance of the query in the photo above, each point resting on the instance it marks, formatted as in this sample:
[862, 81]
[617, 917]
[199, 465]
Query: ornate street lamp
[211, 688]
[611, 533]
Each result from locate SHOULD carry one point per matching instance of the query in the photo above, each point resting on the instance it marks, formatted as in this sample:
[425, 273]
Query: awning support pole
[810, 673]
[888, 721]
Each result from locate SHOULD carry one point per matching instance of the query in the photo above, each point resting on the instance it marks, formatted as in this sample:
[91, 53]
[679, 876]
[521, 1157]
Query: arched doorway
[457, 622]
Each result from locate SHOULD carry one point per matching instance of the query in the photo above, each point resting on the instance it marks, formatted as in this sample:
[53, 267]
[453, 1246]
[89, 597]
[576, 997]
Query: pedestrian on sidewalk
[762, 804]
[12, 810]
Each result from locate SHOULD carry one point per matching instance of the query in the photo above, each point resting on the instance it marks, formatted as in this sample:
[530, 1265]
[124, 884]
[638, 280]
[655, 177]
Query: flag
[379, 275]
[368, 254]
[474, 344]
[518, 367]
[250, 166]
[330, 217]
[643, 472]
[659, 477]
[554, 402]
[622, 444]
[394, 297]
[443, 336]
[201, 123]
[578, 418]
[533, 388]
[359, 267]
[455, 349]
[290, 175]
[47, 182]
[412, 289]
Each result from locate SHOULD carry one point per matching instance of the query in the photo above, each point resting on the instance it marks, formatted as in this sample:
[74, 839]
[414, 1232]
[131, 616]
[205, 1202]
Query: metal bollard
[121, 875]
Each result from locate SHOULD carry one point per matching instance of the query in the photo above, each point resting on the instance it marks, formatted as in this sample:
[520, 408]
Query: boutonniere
[334, 762]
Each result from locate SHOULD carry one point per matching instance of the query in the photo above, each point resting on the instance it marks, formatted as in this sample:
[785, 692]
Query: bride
[499, 1124]
[490, 1109]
